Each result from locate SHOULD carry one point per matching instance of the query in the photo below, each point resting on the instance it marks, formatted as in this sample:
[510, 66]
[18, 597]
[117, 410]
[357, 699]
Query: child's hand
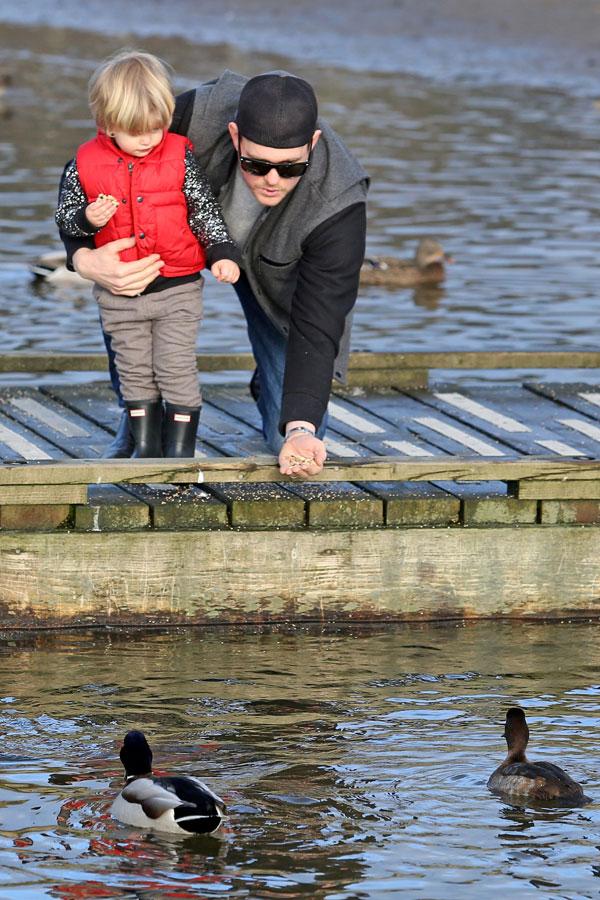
[226, 271]
[101, 210]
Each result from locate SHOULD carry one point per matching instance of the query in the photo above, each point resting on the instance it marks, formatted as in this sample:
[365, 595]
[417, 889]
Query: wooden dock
[437, 501]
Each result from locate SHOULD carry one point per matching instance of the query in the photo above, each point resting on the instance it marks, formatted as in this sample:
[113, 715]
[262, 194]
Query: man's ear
[234, 135]
[315, 138]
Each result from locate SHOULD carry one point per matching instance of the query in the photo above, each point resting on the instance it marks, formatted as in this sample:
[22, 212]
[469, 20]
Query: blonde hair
[131, 91]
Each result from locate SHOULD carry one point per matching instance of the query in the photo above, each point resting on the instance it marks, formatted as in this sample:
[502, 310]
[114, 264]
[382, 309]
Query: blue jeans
[112, 368]
[269, 347]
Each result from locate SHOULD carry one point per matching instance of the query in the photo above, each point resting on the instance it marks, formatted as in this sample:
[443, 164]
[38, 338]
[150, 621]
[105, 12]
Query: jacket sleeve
[72, 202]
[204, 215]
[325, 293]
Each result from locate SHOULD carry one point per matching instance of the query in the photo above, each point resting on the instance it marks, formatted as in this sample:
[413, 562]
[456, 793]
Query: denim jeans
[269, 347]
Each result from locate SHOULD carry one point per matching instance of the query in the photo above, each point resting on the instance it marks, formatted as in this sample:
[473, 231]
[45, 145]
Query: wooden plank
[43, 494]
[55, 423]
[111, 509]
[408, 414]
[512, 415]
[339, 505]
[571, 395]
[264, 469]
[24, 361]
[18, 444]
[95, 402]
[217, 432]
[393, 377]
[35, 518]
[416, 504]
[181, 507]
[264, 506]
[499, 511]
[559, 490]
[570, 512]
[293, 575]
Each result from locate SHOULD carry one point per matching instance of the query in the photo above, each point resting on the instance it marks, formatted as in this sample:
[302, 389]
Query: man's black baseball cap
[277, 110]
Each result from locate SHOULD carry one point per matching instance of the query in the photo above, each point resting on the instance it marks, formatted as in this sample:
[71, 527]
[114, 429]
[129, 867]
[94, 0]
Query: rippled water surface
[479, 128]
[353, 762]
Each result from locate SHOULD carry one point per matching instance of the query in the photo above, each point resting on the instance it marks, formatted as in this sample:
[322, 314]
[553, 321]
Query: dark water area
[353, 761]
[478, 123]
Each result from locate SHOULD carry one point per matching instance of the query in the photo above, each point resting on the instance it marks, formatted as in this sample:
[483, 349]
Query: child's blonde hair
[131, 91]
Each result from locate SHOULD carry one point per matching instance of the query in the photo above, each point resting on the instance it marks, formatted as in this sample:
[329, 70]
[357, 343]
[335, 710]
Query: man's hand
[302, 454]
[104, 266]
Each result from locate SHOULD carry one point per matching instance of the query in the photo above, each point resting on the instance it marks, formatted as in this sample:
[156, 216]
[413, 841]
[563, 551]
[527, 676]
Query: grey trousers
[154, 338]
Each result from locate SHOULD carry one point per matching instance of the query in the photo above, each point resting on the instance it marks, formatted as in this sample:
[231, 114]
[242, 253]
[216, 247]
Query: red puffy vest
[152, 205]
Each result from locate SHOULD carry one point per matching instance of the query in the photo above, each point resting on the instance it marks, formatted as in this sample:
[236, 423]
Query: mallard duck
[179, 804]
[52, 267]
[427, 267]
[533, 781]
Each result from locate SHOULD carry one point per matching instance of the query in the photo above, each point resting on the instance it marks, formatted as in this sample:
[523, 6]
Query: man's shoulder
[335, 168]
[219, 94]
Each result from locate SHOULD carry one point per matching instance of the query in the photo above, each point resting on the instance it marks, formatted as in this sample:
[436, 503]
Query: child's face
[137, 144]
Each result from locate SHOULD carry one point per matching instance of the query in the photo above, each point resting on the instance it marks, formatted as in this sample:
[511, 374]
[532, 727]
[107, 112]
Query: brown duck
[427, 267]
[536, 782]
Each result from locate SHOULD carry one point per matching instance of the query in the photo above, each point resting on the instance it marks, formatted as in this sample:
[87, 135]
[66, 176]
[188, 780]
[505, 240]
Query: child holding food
[137, 181]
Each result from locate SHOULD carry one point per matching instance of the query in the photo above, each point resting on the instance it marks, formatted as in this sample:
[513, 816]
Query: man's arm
[326, 292]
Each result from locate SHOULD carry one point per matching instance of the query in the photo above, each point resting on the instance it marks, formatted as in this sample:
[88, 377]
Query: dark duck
[427, 267]
[178, 804]
[536, 782]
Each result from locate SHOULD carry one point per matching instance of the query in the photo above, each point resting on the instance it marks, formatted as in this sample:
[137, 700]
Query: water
[353, 761]
[478, 122]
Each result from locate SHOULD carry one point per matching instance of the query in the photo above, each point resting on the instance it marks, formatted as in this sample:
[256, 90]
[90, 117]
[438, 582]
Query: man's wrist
[294, 428]
[79, 255]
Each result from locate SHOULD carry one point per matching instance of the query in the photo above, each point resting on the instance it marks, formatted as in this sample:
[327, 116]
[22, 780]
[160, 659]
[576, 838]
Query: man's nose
[272, 176]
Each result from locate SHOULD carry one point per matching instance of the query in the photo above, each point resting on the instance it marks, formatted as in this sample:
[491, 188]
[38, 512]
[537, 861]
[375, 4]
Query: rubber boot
[145, 424]
[180, 427]
[123, 444]
[255, 386]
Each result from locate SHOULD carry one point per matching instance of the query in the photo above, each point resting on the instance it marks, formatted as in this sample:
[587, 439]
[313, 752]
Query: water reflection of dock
[437, 501]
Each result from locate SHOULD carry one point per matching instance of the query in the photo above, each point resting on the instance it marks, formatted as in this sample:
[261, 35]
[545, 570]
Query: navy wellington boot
[145, 423]
[123, 444]
[180, 426]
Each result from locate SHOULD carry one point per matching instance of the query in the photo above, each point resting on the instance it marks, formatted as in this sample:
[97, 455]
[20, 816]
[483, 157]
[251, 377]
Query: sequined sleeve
[204, 214]
[72, 203]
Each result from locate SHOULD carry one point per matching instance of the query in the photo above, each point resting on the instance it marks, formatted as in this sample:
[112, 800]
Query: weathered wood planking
[265, 469]
[396, 574]
[27, 361]
[60, 426]
[524, 421]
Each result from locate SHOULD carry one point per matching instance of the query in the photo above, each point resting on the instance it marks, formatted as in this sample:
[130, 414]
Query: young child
[136, 179]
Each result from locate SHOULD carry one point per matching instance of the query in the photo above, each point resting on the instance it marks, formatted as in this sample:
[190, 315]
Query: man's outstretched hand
[302, 454]
[104, 266]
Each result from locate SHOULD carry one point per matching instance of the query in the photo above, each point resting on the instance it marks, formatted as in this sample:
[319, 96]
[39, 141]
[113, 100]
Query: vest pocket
[278, 279]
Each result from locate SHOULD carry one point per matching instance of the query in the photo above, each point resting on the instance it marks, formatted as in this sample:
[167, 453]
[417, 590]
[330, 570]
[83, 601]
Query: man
[294, 199]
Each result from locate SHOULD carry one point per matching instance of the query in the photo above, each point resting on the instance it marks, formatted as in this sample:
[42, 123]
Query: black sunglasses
[284, 170]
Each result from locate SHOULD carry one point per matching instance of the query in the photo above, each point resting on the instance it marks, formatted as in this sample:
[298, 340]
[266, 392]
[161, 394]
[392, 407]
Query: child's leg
[122, 445]
[127, 322]
[175, 337]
